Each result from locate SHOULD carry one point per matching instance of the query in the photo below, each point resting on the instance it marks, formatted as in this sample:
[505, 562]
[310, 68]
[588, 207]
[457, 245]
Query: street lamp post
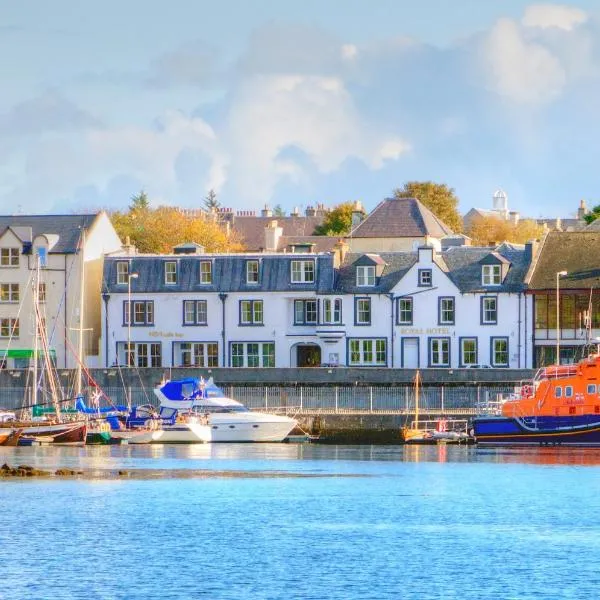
[129, 315]
[559, 274]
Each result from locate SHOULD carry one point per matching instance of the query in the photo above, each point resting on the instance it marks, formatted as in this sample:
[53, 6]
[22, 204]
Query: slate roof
[66, 227]
[228, 273]
[576, 252]
[252, 229]
[400, 217]
[462, 264]
[320, 243]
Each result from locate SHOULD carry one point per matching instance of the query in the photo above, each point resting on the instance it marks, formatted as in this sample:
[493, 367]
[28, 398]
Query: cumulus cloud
[521, 70]
[314, 114]
[546, 16]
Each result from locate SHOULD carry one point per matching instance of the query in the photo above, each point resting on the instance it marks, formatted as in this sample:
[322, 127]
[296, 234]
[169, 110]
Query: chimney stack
[266, 211]
[273, 234]
[358, 214]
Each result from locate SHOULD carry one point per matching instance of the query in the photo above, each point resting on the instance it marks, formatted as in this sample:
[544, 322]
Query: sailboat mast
[78, 385]
[417, 399]
[36, 330]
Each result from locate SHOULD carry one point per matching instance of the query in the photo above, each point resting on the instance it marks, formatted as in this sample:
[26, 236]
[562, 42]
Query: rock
[122, 473]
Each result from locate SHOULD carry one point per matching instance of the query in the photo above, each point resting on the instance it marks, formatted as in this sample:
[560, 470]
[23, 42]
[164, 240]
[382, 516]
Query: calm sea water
[419, 522]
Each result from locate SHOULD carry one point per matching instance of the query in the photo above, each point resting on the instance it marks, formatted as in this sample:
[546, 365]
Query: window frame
[493, 352]
[441, 310]
[365, 276]
[305, 311]
[210, 352]
[335, 307]
[302, 272]
[120, 274]
[491, 273]
[422, 274]
[13, 293]
[10, 328]
[400, 310]
[253, 304]
[205, 274]
[439, 365]
[148, 310]
[170, 274]
[265, 354]
[357, 311]
[152, 359]
[252, 263]
[10, 257]
[373, 346]
[482, 319]
[461, 348]
[195, 312]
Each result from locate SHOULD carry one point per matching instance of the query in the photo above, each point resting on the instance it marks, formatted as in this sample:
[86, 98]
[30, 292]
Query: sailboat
[44, 426]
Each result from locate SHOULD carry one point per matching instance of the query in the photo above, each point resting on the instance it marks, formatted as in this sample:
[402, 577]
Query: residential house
[69, 250]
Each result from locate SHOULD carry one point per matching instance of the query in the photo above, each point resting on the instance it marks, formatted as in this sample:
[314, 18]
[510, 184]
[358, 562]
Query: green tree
[278, 211]
[338, 221]
[210, 202]
[437, 197]
[139, 202]
[592, 216]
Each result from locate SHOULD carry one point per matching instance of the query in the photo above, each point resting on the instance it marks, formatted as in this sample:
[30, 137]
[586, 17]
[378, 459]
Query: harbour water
[344, 522]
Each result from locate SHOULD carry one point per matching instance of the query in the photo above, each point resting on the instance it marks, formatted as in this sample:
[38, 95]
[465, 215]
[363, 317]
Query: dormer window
[365, 276]
[9, 257]
[170, 272]
[122, 273]
[42, 256]
[252, 271]
[425, 279]
[303, 271]
[205, 272]
[491, 275]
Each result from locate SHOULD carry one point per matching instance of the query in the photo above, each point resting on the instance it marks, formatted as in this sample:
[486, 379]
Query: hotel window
[405, 311]
[42, 254]
[196, 354]
[252, 271]
[142, 313]
[41, 292]
[303, 271]
[140, 354]
[251, 312]
[252, 354]
[122, 273]
[468, 351]
[205, 272]
[195, 312]
[446, 311]
[499, 352]
[9, 292]
[170, 272]
[491, 275]
[367, 352]
[365, 276]
[305, 312]
[425, 279]
[489, 310]
[9, 257]
[9, 328]
[439, 352]
[332, 310]
[362, 311]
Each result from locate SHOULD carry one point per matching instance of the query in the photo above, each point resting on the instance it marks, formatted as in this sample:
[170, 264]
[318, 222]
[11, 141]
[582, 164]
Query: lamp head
[562, 274]
[133, 276]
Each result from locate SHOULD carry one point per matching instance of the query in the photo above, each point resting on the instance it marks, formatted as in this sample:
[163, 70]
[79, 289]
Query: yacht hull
[181, 433]
[249, 427]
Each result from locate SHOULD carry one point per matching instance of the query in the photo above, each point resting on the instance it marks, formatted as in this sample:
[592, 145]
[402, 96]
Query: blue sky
[296, 103]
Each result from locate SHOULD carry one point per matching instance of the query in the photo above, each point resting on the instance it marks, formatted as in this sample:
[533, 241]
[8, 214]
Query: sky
[274, 102]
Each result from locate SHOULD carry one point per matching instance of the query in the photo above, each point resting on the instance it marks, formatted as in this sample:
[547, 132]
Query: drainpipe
[222, 298]
[106, 298]
[65, 332]
[519, 332]
[391, 297]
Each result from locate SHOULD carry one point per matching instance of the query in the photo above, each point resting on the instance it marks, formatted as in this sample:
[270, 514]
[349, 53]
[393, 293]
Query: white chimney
[272, 235]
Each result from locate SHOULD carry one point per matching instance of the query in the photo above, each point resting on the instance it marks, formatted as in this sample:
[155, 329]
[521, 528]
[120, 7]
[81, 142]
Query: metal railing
[321, 399]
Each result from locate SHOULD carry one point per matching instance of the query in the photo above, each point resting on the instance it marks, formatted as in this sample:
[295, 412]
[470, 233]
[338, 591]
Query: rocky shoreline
[28, 472]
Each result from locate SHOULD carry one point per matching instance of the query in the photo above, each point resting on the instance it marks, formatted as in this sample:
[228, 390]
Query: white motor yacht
[228, 419]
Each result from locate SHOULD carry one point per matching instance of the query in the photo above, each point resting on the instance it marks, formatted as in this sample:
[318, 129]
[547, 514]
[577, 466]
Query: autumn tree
[437, 197]
[489, 230]
[338, 221]
[158, 230]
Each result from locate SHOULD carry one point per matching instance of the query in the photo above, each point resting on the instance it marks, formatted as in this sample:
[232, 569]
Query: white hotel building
[464, 306]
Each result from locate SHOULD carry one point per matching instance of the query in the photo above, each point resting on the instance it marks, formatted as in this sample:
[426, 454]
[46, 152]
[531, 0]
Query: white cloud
[545, 16]
[313, 114]
[521, 70]
[349, 51]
